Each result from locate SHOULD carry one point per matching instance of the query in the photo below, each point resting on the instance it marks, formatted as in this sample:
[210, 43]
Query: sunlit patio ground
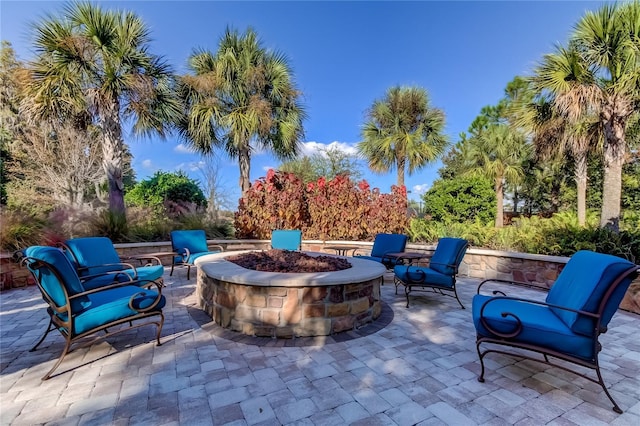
[413, 366]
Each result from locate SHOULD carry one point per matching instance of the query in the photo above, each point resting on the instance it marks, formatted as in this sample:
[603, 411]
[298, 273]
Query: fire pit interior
[275, 260]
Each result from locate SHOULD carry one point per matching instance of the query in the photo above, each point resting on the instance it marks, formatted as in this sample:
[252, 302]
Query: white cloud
[192, 166]
[310, 148]
[266, 168]
[147, 164]
[420, 189]
[183, 149]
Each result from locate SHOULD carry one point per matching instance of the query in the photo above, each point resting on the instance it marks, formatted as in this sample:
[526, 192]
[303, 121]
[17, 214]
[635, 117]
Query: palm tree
[609, 42]
[96, 62]
[566, 120]
[498, 153]
[242, 98]
[404, 131]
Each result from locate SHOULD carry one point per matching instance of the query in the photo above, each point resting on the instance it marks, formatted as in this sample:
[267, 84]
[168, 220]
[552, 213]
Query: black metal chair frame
[65, 327]
[504, 339]
[428, 287]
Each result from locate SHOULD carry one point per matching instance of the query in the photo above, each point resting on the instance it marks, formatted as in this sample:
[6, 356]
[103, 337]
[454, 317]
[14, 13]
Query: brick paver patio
[414, 366]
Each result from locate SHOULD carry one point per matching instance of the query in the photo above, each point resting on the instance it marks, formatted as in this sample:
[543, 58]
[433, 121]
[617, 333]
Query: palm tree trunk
[614, 156]
[612, 188]
[581, 185]
[400, 171]
[244, 160]
[112, 154]
[499, 188]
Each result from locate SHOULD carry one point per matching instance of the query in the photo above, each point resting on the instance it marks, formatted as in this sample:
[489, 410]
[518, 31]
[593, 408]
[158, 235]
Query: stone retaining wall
[478, 263]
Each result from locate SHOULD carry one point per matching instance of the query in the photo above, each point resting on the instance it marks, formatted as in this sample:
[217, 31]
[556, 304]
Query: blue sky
[345, 55]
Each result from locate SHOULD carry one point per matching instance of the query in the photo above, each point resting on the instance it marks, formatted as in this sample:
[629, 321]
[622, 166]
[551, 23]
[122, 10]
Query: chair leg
[455, 292]
[65, 351]
[49, 328]
[481, 356]
[616, 407]
[159, 327]
[407, 290]
[172, 265]
[188, 272]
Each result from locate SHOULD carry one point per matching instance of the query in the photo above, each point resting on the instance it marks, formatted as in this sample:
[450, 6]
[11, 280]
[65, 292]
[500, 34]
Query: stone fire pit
[288, 305]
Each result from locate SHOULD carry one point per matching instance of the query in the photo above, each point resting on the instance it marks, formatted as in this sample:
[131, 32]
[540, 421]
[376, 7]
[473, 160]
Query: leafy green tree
[97, 61]
[564, 122]
[242, 95]
[631, 184]
[10, 121]
[467, 198]
[498, 153]
[166, 186]
[328, 163]
[609, 42]
[403, 131]
[303, 168]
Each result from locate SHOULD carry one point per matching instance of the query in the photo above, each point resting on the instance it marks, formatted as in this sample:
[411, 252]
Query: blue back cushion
[582, 285]
[52, 285]
[388, 243]
[193, 239]
[286, 239]
[448, 255]
[94, 252]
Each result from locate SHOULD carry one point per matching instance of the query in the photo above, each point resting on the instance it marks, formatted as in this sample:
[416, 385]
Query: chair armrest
[216, 246]
[455, 267]
[355, 252]
[518, 327]
[122, 265]
[421, 276]
[151, 260]
[147, 284]
[511, 282]
[115, 275]
[185, 253]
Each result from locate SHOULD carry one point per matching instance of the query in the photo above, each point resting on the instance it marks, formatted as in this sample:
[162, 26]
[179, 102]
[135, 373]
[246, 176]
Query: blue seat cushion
[540, 326]
[421, 275]
[192, 257]
[448, 255]
[195, 240]
[388, 243]
[582, 285]
[145, 274]
[113, 304]
[384, 260]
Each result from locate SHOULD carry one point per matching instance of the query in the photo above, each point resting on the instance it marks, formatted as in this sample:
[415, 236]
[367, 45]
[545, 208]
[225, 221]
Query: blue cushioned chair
[97, 263]
[189, 245]
[77, 312]
[439, 276]
[286, 239]
[383, 244]
[567, 324]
